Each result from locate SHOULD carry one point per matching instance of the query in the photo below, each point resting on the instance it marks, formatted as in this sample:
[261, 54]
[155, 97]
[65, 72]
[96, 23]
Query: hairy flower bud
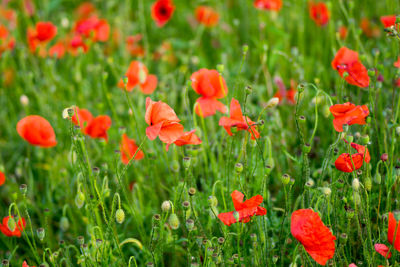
[173, 221]
[64, 224]
[120, 216]
[166, 206]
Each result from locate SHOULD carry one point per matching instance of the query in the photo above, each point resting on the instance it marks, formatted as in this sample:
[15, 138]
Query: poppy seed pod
[186, 205]
[166, 206]
[192, 191]
[378, 178]
[365, 139]
[23, 188]
[349, 138]
[310, 183]
[238, 167]
[275, 259]
[248, 89]
[40, 233]
[285, 179]
[221, 240]
[306, 148]
[5, 263]
[189, 224]
[302, 119]
[173, 221]
[186, 162]
[81, 240]
[120, 216]
[64, 223]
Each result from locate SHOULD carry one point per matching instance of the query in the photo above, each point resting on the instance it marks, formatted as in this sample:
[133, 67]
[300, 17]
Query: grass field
[199, 133]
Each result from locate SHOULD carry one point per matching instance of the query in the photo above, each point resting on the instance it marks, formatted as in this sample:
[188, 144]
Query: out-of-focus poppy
[345, 163]
[343, 31]
[29, 8]
[7, 42]
[85, 10]
[397, 63]
[306, 226]
[388, 21]
[133, 46]
[97, 128]
[2, 178]
[393, 232]
[138, 75]
[383, 250]
[93, 27]
[77, 43]
[319, 13]
[187, 138]
[25, 264]
[10, 16]
[207, 16]
[211, 86]
[352, 265]
[274, 5]
[162, 122]
[348, 113]
[41, 34]
[128, 148]
[12, 228]
[57, 50]
[369, 30]
[239, 121]
[81, 117]
[162, 11]
[283, 93]
[244, 210]
[37, 131]
[346, 61]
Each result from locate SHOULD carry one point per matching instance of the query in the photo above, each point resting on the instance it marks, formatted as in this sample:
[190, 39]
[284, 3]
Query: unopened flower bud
[249, 89]
[306, 148]
[173, 221]
[365, 139]
[24, 100]
[64, 224]
[166, 206]
[245, 48]
[212, 201]
[79, 199]
[368, 184]
[349, 138]
[273, 102]
[120, 216]
[378, 178]
[40, 233]
[11, 224]
[189, 224]
[384, 157]
[355, 184]
[220, 68]
[186, 162]
[285, 179]
[326, 191]
[275, 259]
[310, 183]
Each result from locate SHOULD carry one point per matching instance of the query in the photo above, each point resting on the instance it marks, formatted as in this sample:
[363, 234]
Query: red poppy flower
[6, 41]
[346, 60]
[345, 164]
[18, 227]
[75, 43]
[37, 131]
[98, 29]
[25, 264]
[2, 178]
[392, 236]
[133, 47]
[57, 50]
[388, 21]
[81, 117]
[245, 210]
[85, 10]
[128, 149]
[274, 5]
[187, 138]
[283, 93]
[397, 63]
[211, 86]
[319, 13]
[207, 16]
[162, 122]
[306, 226]
[40, 35]
[343, 31]
[161, 11]
[97, 128]
[348, 113]
[352, 265]
[239, 121]
[383, 250]
[138, 75]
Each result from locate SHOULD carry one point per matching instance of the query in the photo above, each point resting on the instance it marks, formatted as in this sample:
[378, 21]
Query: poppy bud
[175, 166]
[5, 263]
[220, 68]
[275, 259]
[302, 119]
[192, 191]
[236, 215]
[40, 233]
[81, 240]
[368, 184]
[186, 205]
[221, 240]
[248, 89]
[186, 162]
[120, 216]
[64, 223]
[343, 236]
[79, 199]
[245, 48]
[355, 184]
[11, 224]
[384, 157]
[273, 102]
[173, 221]
[23, 188]
[310, 183]
[365, 139]
[378, 178]
[24, 100]
[326, 191]
[238, 167]
[306, 148]
[285, 179]
[270, 162]
[189, 224]
[349, 138]
[212, 201]
[166, 206]
[371, 73]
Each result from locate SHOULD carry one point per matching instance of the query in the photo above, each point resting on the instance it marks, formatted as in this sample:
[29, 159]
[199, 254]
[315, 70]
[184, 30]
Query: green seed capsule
[285, 179]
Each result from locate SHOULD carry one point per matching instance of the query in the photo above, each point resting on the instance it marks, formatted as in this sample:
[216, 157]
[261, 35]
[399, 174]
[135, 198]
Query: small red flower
[306, 226]
[41, 35]
[393, 237]
[97, 29]
[82, 117]
[346, 61]
[138, 75]
[133, 47]
[245, 210]
[397, 63]
[58, 50]
[37, 131]
[345, 164]
[162, 122]
[343, 31]
[18, 227]
[274, 5]
[388, 21]
[76, 43]
[187, 138]
[383, 250]
[162, 11]
[25, 264]
[2, 178]
[85, 10]
[128, 149]
[97, 128]
[211, 86]
[207, 16]
[283, 93]
[348, 113]
[239, 121]
[319, 13]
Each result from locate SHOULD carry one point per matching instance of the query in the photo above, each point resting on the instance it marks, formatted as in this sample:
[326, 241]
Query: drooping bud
[64, 224]
[79, 199]
[189, 224]
[166, 206]
[368, 184]
[273, 102]
[355, 184]
[384, 157]
[173, 221]
[120, 216]
[40, 233]
[212, 201]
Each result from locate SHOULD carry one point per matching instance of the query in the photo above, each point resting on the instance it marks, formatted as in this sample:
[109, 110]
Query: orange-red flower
[397, 63]
[41, 34]
[97, 29]
[283, 93]
[7, 42]
[128, 149]
[346, 61]
[162, 11]
[393, 232]
[75, 43]
[368, 30]
[97, 128]
[211, 86]
[306, 226]
[138, 75]
[37, 131]
[244, 210]
[162, 122]
[25, 264]
[17, 227]
[383, 250]
[187, 138]
[239, 121]
[388, 21]
[343, 31]
[85, 10]
[133, 47]
[345, 163]
[274, 5]
[207, 16]
[349, 114]
[81, 117]
[58, 50]
[2, 178]
[319, 13]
